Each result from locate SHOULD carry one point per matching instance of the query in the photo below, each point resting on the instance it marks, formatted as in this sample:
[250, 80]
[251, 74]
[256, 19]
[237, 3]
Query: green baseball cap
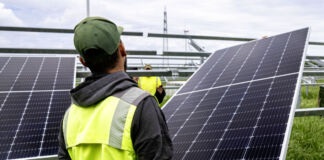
[96, 33]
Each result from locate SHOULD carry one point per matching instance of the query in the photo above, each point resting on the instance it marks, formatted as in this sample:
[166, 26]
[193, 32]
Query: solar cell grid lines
[240, 103]
[34, 94]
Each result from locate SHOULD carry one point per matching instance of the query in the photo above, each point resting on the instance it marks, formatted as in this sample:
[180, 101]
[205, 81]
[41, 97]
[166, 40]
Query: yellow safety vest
[149, 84]
[103, 131]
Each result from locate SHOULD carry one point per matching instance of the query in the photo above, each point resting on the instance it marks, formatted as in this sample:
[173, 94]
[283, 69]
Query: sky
[235, 18]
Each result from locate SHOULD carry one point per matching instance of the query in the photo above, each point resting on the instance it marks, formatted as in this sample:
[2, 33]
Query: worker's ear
[122, 49]
[82, 61]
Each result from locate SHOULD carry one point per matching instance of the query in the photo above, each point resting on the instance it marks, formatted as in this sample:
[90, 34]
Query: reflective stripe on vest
[108, 122]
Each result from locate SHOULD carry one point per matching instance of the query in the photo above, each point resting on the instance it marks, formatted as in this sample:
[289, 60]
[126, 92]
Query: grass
[166, 98]
[307, 139]
[307, 136]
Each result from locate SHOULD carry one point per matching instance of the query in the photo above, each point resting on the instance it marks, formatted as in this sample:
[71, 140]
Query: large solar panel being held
[240, 103]
[34, 94]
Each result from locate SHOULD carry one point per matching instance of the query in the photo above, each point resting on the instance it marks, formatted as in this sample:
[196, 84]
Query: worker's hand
[160, 89]
[135, 79]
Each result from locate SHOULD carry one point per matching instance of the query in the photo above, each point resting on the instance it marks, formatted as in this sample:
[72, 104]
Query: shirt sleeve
[149, 132]
[158, 82]
[62, 154]
[139, 82]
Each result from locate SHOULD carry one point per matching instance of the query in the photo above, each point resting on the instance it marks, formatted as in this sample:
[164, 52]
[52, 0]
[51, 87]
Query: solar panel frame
[295, 97]
[285, 143]
[53, 91]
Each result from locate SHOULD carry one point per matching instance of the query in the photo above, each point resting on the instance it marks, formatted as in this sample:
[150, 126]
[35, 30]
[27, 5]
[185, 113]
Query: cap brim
[120, 29]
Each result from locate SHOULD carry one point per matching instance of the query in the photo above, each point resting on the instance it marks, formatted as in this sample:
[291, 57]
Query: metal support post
[88, 8]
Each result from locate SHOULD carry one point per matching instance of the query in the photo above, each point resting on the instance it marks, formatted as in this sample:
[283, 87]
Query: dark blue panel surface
[3, 62]
[31, 128]
[260, 58]
[61, 101]
[252, 64]
[234, 65]
[36, 73]
[31, 107]
[217, 71]
[213, 60]
[294, 53]
[27, 77]
[10, 72]
[273, 57]
[240, 106]
[47, 74]
[178, 117]
[214, 126]
[66, 70]
[11, 110]
[31, 132]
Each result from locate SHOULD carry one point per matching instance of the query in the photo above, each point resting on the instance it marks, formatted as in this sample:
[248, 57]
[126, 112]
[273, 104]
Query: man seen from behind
[110, 117]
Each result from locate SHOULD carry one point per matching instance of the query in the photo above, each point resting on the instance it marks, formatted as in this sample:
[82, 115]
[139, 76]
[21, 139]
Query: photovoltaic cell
[239, 102]
[34, 94]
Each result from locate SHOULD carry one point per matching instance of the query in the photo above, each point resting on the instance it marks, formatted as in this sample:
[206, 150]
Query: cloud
[8, 17]
[244, 18]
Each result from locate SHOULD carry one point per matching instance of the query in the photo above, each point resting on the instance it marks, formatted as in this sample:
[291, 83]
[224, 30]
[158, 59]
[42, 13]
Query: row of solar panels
[238, 105]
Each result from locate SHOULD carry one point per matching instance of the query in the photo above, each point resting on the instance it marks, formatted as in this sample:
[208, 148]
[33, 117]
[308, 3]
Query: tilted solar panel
[240, 103]
[34, 94]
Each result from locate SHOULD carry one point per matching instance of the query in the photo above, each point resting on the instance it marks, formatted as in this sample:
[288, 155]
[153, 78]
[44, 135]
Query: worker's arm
[149, 132]
[159, 83]
[139, 82]
[62, 154]
[159, 86]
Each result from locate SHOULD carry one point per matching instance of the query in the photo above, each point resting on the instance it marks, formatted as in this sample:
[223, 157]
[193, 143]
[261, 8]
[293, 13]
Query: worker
[264, 37]
[110, 117]
[152, 85]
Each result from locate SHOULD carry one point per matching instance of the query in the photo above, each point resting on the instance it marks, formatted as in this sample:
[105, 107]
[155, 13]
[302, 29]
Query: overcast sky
[237, 18]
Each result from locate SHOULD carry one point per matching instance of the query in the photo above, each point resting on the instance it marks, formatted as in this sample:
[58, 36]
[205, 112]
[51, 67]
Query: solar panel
[34, 94]
[240, 103]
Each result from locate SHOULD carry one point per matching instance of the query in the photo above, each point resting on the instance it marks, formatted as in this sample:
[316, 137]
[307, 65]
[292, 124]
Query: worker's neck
[116, 69]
